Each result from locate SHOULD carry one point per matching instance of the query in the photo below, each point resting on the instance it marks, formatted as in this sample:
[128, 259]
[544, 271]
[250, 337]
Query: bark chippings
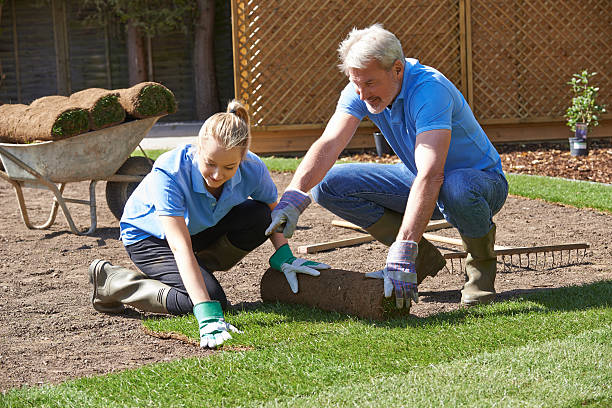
[337, 290]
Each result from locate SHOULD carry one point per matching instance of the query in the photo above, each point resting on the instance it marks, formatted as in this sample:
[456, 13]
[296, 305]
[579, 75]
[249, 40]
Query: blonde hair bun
[230, 128]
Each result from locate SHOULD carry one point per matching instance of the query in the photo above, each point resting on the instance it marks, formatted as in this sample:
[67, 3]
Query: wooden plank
[432, 226]
[314, 248]
[453, 241]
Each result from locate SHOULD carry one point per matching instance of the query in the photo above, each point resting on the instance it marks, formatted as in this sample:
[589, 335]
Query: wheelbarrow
[102, 155]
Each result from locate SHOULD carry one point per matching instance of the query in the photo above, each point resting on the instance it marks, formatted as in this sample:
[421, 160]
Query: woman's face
[217, 164]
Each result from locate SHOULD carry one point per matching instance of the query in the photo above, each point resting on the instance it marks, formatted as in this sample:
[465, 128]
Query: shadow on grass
[573, 298]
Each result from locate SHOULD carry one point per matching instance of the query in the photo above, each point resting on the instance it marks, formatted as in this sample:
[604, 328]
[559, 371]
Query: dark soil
[50, 333]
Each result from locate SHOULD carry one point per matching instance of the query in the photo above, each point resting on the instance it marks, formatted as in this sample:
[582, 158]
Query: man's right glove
[286, 213]
[400, 273]
[214, 330]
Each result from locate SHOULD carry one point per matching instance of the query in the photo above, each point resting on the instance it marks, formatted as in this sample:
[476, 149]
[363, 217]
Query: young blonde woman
[201, 209]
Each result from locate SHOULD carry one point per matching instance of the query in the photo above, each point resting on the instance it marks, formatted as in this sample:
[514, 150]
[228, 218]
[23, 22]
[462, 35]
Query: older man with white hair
[449, 169]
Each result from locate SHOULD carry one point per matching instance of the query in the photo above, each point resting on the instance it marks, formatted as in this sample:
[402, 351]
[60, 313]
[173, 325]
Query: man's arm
[324, 152]
[430, 153]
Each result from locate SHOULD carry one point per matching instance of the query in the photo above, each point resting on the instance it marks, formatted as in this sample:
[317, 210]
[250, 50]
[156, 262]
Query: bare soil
[50, 333]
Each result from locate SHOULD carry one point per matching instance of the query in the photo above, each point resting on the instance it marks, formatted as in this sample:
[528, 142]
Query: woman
[201, 209]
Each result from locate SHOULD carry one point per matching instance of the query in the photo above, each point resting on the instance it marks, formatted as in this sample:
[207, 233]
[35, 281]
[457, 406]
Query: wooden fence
[510, 58]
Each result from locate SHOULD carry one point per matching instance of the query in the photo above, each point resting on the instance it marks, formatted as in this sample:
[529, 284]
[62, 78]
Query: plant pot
[578, 146]
[382, 146]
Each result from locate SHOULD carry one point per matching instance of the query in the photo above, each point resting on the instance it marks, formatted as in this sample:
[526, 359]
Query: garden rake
[511, 258]
[544, 257]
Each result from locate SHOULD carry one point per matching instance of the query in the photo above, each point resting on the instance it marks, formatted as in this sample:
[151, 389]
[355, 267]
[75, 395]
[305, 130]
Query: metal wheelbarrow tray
[94, 156]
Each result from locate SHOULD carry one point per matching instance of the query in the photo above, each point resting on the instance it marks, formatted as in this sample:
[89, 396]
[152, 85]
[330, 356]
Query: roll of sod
[103, 107]
[42, 121]
[345, 292]
[147, 99]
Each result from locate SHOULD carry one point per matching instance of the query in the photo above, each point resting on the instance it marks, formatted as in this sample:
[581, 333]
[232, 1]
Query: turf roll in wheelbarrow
[43, 122]
[345, 292]
[103, 107]
[147, 99]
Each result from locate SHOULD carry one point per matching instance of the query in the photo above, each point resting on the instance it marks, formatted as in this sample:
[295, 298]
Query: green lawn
[547, 349]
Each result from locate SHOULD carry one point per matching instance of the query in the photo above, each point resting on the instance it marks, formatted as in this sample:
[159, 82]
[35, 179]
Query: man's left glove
[284, 261]
[400, 273]
[214, 330]
[286, 213]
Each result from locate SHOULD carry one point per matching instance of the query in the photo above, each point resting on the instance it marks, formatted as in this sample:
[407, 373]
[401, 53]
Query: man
[449, 168]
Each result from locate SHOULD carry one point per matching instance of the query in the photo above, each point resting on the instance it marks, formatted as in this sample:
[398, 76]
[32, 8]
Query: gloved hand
[400, 273]
[286, 213]
[284, 261]
[214, 330]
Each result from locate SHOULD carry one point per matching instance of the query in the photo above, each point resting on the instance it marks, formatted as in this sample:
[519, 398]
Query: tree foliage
[152, 17]
[584, 107]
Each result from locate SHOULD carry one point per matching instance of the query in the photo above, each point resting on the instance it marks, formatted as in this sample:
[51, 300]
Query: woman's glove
[400, 273]
[286, 213]
[213, 328]
[284, 261]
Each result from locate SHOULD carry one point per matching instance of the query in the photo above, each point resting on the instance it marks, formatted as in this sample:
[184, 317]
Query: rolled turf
[147, 99]
[46, 120]
[103, 107]
[345, 292]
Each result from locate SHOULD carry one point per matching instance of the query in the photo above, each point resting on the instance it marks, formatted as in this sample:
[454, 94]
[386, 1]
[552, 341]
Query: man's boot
[480, 267]
[115, 286]
[429, 260]
[221, 255]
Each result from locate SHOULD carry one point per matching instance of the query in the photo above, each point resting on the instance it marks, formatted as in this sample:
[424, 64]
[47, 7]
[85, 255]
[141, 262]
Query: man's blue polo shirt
[175, 187]
[428, 101]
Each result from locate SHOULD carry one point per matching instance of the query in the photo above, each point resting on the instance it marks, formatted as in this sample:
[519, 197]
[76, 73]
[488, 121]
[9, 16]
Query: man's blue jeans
[359, 193]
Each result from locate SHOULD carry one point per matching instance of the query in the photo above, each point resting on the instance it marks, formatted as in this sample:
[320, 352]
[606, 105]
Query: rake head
[528, 258]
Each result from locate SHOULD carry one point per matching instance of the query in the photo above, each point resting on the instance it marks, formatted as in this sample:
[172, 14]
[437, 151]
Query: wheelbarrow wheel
[117, 193]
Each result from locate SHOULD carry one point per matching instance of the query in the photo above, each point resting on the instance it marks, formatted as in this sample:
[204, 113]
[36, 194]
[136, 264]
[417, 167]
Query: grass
[579, 194]
[546, 349]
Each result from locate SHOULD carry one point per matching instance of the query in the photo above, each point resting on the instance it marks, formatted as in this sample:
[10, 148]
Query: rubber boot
[115, 286]
[429, 260]
[221, 255]
[480, 268]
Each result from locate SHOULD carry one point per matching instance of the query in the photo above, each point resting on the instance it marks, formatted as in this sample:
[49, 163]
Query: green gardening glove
[284, 261]
[213, 328]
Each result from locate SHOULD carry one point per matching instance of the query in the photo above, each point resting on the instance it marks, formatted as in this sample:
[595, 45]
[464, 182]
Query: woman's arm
[277, 238]
[179, 240]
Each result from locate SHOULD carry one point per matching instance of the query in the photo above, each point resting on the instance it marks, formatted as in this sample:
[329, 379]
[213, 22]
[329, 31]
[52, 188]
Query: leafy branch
[584, 108]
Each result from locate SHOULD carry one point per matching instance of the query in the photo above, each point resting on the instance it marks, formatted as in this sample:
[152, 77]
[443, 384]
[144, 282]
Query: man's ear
[398, 68]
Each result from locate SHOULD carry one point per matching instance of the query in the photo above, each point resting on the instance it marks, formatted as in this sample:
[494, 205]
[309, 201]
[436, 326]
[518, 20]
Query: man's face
[376, 86]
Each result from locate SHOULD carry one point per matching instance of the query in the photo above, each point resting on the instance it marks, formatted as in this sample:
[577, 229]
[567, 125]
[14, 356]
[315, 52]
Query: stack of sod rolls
[59, 117]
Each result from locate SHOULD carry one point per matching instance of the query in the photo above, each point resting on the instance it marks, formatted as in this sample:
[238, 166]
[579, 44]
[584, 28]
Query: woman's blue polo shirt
[175, 187]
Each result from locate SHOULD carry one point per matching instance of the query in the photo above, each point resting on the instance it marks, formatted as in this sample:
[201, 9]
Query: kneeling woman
[201, 209]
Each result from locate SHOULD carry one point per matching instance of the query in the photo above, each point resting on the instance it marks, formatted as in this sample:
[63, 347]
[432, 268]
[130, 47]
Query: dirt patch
[49, 332]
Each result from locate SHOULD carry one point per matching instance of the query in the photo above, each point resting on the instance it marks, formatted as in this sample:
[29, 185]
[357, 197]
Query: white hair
[373, 42]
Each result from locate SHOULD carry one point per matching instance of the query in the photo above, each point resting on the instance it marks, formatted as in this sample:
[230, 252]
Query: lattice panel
[286, 59]
[524, 52]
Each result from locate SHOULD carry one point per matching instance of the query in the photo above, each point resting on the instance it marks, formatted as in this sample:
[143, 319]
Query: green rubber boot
[429, 260]
[115, 286]
[221, 255]
[480, 268]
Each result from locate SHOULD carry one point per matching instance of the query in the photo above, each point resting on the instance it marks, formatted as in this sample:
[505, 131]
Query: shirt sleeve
[432, 107]
[265, 191]
[167, 197]
[350, 103]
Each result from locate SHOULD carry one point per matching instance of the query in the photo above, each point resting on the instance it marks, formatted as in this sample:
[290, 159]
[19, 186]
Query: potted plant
[582, 114]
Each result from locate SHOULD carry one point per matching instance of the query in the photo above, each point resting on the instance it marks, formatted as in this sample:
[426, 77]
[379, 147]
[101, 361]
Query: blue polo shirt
[428, 101]
[175, 187]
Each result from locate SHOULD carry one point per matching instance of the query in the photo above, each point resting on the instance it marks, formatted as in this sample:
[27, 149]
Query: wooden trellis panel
[524, 52]
[285, 58]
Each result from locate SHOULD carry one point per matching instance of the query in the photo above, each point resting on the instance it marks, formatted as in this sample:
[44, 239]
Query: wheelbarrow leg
[24, 211]
[92, 206]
